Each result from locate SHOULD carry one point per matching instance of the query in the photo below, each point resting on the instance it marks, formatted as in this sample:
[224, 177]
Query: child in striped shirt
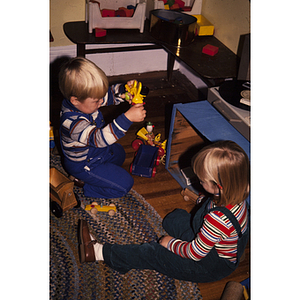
[202, 248]
[90, 151]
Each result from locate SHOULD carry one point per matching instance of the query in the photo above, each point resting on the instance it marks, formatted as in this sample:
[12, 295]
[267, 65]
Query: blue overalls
[153, 256]
[103, 175]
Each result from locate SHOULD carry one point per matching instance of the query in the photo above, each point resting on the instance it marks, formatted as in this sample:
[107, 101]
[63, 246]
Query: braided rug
[135, 221]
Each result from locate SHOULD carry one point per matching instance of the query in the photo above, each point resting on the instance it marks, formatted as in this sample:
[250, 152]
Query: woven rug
[136, 222]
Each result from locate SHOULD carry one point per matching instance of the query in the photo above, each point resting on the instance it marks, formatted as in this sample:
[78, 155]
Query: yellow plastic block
[204, 26]
[142, 133]
[167, 6]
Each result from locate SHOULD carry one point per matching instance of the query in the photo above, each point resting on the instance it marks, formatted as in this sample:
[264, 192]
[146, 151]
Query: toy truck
[144, 162]
[147, 137]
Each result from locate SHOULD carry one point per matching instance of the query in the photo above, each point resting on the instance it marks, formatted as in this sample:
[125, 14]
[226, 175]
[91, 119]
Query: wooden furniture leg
[170, 66]
[80, 50]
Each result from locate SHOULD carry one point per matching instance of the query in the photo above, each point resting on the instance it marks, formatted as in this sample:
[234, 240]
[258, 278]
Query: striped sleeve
[112, 97]
[85, 133]
[207, 237]
[78, 134]
[217, 231]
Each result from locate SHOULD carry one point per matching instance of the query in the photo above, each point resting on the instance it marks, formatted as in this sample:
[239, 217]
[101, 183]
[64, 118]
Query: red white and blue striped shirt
[217, 231]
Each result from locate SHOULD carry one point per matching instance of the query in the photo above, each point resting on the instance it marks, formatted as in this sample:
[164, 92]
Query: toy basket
[196, 6]
[204, 26]
[96, 20]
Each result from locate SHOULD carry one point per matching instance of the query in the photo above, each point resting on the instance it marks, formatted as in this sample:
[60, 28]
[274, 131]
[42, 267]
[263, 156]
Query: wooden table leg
[170, 66]
[80, 50]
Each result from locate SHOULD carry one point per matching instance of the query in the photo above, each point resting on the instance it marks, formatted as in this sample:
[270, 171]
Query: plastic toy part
[150, 139]
[128, 11]
[189, 195]
[144, 161]
[146, 158]
[186, 8]
[210, 50]
[100, 32]
[180, 3]
[120, 13]
[51, 137]
[108, 13]
[95, 207]
[136, 144]
[142, 133]
[95, 16]
[204, 26]
[135, 91]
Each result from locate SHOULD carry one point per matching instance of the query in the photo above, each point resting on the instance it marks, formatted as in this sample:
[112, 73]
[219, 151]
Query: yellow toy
[135, 91]
[95, 207]
[142, 133]
[146, 136]
[150, 139]
[51, 136]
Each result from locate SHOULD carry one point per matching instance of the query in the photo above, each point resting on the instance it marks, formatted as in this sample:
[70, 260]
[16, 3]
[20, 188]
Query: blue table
[194, 125]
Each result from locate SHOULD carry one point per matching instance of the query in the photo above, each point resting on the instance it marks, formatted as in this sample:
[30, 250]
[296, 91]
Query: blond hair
[81, 78]
[225, 165]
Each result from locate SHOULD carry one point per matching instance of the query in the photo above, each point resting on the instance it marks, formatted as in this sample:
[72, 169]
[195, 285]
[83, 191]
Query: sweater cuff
[122, 88]
[123, 122]
[169, 246]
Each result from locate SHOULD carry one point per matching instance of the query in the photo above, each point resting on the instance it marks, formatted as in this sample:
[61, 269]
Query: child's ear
[74, 100]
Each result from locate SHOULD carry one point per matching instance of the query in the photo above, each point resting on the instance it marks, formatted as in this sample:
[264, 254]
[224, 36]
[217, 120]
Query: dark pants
[153, 256]
[103, 176]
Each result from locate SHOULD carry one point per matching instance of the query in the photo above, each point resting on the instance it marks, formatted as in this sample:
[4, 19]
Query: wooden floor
[162, 191]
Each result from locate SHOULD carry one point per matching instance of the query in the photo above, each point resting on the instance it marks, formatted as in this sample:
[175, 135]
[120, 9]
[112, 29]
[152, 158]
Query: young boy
[88, 144]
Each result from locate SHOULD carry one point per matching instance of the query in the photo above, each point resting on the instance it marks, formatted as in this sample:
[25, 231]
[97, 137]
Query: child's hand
[128, 97]
[136, 113]
[165, 240]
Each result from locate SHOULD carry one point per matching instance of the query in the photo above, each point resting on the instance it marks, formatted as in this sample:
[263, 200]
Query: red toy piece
[100, 32]
[186, 8]
[120, 13]
[210, 50]
[174, 6]
[108, 13]
[170, 2]
[128, 12]
[180, 3]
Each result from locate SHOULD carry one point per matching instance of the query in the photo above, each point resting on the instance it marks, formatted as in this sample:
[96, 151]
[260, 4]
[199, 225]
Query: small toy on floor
[189, 195]
[95, 207]
[146, 136]
[150, 151]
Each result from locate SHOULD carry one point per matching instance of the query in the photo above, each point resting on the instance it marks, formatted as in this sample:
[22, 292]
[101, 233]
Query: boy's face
[88, 106]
